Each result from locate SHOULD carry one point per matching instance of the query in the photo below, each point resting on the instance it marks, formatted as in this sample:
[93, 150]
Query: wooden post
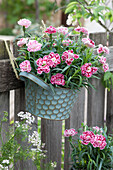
[51, 135]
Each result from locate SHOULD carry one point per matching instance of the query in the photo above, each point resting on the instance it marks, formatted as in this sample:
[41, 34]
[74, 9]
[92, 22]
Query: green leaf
[107, 75]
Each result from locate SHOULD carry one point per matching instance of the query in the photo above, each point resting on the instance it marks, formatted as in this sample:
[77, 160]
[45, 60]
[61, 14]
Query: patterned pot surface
[45, 104]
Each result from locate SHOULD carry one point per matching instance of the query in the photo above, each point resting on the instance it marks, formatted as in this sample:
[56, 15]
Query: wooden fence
[90, 107]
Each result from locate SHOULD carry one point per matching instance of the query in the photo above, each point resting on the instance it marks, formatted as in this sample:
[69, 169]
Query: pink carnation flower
[25, 66]
[102, 49]
[67, 42]
[53, 59]
[69, 56]
[81, 29]
[88, 42]
[33, 46]
[22, 41]
[44, 68]
[58, 79]
[24, 22]
[99, 141]
[62, 30]
[87, 137]
[70, 132]
[105, 67]
[50, 30]
[102, 59]
[87, 70]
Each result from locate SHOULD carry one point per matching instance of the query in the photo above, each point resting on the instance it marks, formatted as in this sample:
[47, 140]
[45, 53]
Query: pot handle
[35, 79]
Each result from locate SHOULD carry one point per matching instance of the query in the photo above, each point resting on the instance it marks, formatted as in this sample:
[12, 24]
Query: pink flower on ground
[81, 29]
[87, 137]
[53, 59]
[99, 141]
[70, 132]
[25, 66]
[102, 49]
[33, 46]
[105, 67]
[50, 30]
[67, 42]
[88, 42]
[69, 56]
[62, 30]
[24, 22]
[102, 59]
[22, 41]
[58, 79]
[87, 70]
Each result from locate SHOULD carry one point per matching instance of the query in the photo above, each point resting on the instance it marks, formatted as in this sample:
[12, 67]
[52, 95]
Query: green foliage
[6, 31]
[15, 10]
[18, 146]
[95, 10]
[107, 80]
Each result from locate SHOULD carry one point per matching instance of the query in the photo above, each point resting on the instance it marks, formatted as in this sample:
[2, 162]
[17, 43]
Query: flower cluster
[90, 145]
[97, 140]
[27, 116]
[60, 60]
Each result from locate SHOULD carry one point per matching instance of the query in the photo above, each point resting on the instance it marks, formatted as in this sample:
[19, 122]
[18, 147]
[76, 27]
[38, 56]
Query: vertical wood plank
[75, 120]
[20, 106]
[110, 39]
[99, 38]
[51, 135]
[109, 119]
[95, 113]
[4, 106]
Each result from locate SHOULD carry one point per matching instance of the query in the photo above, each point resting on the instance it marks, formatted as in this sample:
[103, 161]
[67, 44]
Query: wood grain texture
[99, 38]
[20, 106]
[4, 106]
[75, 120]
[3, 51]
[51, 135]
[8, 80]
[109, 120]
[95, 113]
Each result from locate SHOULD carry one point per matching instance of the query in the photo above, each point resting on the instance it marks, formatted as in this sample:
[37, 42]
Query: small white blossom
[1, 166]
[29, 118]
[70, 19]
[34, 139]
[5, 161]
[17, 124]
[53, 164]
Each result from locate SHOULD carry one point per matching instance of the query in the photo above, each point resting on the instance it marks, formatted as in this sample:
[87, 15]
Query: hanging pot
[42, 102]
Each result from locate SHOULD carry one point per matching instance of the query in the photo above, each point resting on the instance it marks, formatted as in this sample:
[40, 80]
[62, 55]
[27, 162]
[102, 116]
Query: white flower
[53, 164]
[34, 139]
[29, 118]
[1, 166]
[17, 124]
[70, 19]
[5, 161]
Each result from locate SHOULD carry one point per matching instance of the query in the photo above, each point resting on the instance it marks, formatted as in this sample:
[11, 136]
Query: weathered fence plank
[99, 38]
[75, 120]
[4, 106]
[51, 135]
[95, 112]
[109, 120]
[20, 106]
